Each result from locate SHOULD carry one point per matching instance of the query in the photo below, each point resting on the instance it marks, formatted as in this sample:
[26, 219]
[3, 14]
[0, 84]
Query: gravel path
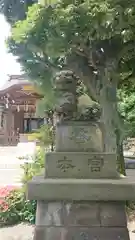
[131, 227]
[25, 232]
[18, 232]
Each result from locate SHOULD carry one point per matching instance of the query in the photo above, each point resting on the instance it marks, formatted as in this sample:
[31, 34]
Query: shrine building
[18, 110]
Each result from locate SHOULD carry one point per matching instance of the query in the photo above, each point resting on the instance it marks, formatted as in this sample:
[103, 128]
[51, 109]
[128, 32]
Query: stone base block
[80, 165]
[54, 233]
[81, 214]
[81, 189]
[81, 220]
[76, 136]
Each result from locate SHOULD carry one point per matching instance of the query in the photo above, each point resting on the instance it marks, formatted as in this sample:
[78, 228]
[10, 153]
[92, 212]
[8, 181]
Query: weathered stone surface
[68, 214]
[49, 214]
[39, 233]
[82, 214]
[104, 214]
[81, 189]
[80, 165]
[79, 137]
[49, 233]
[77, 233]
[96, 234]
[112, 214]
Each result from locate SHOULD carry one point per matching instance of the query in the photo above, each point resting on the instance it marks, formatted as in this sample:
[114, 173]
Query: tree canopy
[98, 34]
[15, 10]
[94, 39]
[126, 108]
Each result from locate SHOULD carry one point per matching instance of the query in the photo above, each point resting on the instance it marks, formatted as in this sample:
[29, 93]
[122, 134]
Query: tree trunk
[107, 101]
[110, 117]
[120, 156]
[112, 137]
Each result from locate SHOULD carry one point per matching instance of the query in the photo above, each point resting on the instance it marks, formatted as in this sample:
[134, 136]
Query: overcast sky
[8, 65]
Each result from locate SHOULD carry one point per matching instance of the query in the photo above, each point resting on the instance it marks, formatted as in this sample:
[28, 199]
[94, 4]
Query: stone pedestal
[81, 196]
[79, 137]
[81, 220]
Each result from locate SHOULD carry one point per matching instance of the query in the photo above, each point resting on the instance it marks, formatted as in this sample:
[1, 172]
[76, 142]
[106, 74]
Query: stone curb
[129, 163]
[122, 189]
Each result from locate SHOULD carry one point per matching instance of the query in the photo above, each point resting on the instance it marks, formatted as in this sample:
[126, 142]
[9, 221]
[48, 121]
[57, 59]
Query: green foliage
[32, 54]
[15, 208]
[15, 10]
[34, 167]
[47, 103]
[45, 135]
[126, 106]
[48, 2]
[82, 35]
[94, 39]
[18, 209]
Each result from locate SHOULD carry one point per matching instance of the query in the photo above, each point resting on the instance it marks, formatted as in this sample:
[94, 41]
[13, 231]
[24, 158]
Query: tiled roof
[14, 80]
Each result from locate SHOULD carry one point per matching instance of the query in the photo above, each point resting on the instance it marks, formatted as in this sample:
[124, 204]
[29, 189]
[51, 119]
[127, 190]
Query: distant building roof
[18, 77]
[13, 81]
[19, 86]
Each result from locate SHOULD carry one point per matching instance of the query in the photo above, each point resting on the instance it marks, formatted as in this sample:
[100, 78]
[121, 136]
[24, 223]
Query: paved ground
[11, 174]
[131, 227]
[19, 232]
[25, 232]
[10, 171]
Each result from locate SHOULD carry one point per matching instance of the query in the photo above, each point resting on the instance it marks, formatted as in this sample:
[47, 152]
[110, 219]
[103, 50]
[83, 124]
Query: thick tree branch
[80, 67]
[42, 57]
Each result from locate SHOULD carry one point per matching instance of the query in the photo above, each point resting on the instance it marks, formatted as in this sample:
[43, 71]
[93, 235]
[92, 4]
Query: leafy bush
[15, 208]
[35, 167]
[4, 191]
[45, 135]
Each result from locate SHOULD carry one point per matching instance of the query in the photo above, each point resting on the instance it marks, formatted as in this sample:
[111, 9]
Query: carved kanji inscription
[96, 163]
[65, 164]
[80, 135]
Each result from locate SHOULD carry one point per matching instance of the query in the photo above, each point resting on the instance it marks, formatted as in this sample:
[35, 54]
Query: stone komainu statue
[68, 106]
[65, 85]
